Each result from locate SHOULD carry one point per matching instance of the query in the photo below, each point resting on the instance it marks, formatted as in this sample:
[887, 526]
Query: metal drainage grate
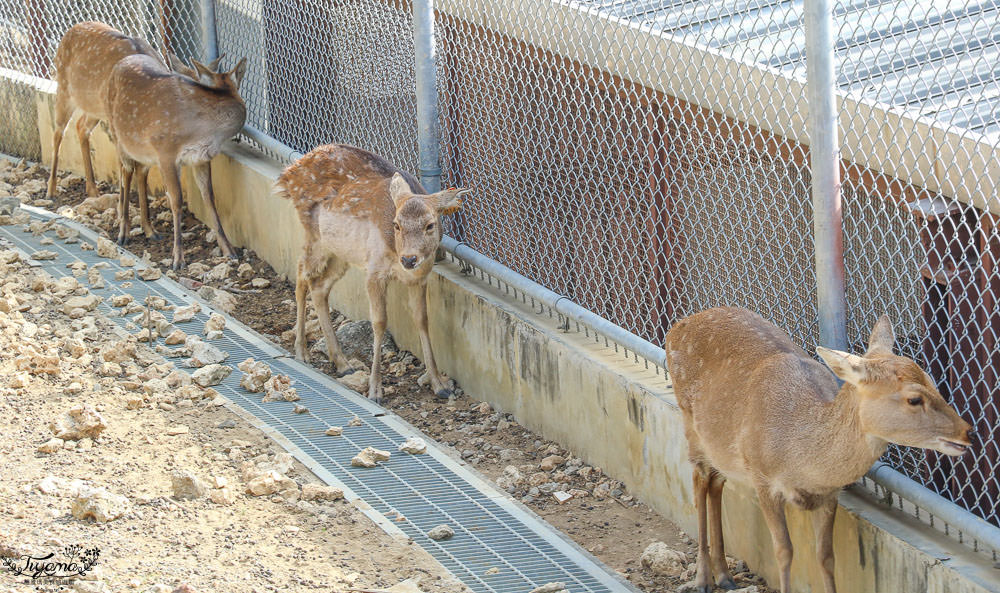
[491, 531]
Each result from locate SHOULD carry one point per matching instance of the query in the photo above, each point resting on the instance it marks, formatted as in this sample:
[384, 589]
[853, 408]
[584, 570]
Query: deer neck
[850, 451]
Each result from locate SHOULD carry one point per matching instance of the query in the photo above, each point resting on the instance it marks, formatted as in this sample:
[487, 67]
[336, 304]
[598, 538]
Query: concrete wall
[615, 414]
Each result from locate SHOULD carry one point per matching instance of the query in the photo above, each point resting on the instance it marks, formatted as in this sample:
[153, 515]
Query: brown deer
[759, 410]
[159, 117]
[86, 54]
[358, 209]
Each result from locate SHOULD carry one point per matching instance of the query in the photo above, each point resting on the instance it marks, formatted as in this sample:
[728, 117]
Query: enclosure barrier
[636, 162]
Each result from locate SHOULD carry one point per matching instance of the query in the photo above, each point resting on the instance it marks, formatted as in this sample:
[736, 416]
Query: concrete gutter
[614, 413]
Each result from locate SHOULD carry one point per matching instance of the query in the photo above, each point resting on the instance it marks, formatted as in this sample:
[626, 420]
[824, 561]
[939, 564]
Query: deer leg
[823, 527]
[418, 308]
[301, 288]
[171, 178]
[63, 111]
[774, 513]
[84, 126]
[320, 287]
[720, 568]
[124, 222]
[203, 177]
[703, 580]
[376, 306]
[141, 179]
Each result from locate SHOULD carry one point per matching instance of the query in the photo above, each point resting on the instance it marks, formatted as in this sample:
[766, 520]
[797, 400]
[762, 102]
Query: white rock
[81, 421]
[550, 588]
[511, 478]
[260, 283]
[100, 505]
[184, 314]
[215, 323]
[187, 485]
[334, 431]
[358, 381]
[51, 446]
[218, 273]
[414, 446]
[106, 248]
[441, 532]
[204, 354]
[321, 492]
[663, 560]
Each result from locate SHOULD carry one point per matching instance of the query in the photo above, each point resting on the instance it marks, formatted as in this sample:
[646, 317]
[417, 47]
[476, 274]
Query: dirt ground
[601, 509]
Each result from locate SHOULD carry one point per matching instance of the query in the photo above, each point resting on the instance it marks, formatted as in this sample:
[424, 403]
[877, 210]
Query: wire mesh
[649, 159]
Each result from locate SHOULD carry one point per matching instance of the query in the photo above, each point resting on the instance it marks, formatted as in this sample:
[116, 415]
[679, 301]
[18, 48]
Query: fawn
[358, 209]
[86, 54]
[759, 410]
[164, 118]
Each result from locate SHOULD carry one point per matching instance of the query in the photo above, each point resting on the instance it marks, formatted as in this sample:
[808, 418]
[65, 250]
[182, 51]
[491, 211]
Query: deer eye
[915, 401]
[430, 227]
[395, 226]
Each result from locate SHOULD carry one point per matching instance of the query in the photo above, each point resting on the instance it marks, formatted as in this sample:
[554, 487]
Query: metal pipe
[557, 302]
[209, 36]
[824, 157]
[962, 520]
[428, 131]
[279, 149]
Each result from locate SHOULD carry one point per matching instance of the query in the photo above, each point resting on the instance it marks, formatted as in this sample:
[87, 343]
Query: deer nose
[408, 262]
[971, 435]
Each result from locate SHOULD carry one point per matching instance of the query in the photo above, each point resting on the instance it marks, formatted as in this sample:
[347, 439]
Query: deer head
[209, 74]
[417, 222]
[897, 400]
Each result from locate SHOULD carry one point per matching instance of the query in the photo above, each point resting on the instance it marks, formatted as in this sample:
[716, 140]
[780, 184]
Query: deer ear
[214, 64]
[202, 69]
[399, 190]
[449, 201]
[237, 73]
[882, 338]
[849, 367]
[180, 67]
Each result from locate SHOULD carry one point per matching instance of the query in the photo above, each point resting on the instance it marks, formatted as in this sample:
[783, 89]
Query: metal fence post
[428, 131]
[824, 150]
[210, 40]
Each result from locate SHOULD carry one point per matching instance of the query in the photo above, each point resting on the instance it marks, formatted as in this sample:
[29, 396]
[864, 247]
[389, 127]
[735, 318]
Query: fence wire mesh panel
[650, 159]
[322, 72]
[921, 211]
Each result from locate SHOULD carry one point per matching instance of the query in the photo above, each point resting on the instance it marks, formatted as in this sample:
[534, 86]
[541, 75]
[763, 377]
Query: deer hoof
[443, 393]
[154, 236]
[375, 394]
[92, 190]
[727, 583]
[177, 265]
[122, 239]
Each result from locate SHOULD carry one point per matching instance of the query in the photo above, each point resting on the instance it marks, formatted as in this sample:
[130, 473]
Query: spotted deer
[83, 63]
[165, 118]
[757, 409]
[358, 209]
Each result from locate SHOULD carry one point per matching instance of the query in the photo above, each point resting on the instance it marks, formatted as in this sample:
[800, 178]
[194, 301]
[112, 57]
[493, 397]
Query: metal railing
[635, 162]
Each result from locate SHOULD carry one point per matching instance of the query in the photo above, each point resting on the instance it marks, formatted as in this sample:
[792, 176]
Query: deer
[84, 59]
[358, 209]
[160, 117]
[758, 410]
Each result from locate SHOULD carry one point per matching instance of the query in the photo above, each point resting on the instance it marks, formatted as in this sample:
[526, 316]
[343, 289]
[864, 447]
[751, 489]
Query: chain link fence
[650, 159]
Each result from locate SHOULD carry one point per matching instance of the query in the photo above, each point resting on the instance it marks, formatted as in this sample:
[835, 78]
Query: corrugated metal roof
[940, 58]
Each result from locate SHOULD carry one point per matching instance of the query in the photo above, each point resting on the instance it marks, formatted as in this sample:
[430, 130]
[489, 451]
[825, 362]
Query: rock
[269, 482]
[549, 588]
[87, 303]
[356, 339]
[279, 387]
[369, 457]
[215, 323]
[300, 409]
[36, 363]
[602, 491]
[510, 479]
[121, 300]
[561, 496]
[117, 351]
[51, 446]
[106, 248]
[260, 283]
[219, 273]
[176, 337]
[187, 485]
[176, 429]
[212, 374]
[218, 298]
[255, 375]
[355, 422]
[321, 492]
[204, 354]
[441, 532]
[224, 496]
[44, 255]
[358, 381]
[414, 446]
[8, 205]
[150, 274]
[81, 421]
[96, 205]
[184, 314]
[659, 558]
[551, 462]
[484, 408]
[245, 271]
[100, 505]
[334, 431]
